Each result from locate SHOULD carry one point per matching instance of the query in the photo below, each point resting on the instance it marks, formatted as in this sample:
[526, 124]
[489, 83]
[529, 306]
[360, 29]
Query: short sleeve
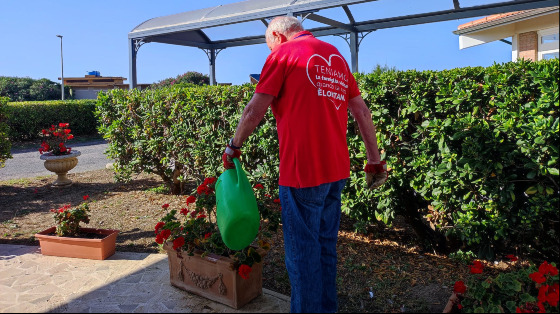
[272, 75]
[353, 89]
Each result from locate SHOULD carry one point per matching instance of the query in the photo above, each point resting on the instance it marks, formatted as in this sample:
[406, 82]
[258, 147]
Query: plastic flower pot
[236, 208]
[98, 249]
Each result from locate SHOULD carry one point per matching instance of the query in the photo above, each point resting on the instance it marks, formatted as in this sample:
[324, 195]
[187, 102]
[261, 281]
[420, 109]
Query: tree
[188, 78]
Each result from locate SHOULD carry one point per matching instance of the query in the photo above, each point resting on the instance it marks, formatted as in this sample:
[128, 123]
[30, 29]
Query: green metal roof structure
[187, 28]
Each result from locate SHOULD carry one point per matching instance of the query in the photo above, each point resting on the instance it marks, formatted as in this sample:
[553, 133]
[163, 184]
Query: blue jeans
[310, 222]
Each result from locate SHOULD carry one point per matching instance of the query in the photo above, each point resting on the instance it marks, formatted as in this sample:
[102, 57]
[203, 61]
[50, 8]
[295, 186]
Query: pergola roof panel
[243, 11]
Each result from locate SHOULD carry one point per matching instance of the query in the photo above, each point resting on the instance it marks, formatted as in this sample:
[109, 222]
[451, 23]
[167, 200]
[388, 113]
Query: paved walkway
[124, 283]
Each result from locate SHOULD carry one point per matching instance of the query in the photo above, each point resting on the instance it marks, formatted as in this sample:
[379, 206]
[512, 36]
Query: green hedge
[5, 144]
[472, 151]
[27, 119]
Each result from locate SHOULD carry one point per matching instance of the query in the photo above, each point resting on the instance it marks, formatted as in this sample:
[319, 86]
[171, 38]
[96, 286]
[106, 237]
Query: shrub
[472, 152]
[27, 119]
[175, 132]
[5, 144]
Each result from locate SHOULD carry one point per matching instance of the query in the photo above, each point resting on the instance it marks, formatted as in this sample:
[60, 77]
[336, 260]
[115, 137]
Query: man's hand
[376, 174]
[230, 152]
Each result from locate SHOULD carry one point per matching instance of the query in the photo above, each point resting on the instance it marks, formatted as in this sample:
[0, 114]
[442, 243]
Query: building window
[546, 39]
[548, 43]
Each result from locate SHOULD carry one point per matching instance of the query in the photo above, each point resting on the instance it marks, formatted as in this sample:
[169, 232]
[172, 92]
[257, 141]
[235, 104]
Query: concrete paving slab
[124, 283]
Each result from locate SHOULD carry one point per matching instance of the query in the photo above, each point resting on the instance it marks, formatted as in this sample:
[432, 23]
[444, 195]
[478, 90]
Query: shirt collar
[302, 34]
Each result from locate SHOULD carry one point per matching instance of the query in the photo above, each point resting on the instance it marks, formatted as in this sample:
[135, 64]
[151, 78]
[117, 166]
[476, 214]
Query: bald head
[282, 29]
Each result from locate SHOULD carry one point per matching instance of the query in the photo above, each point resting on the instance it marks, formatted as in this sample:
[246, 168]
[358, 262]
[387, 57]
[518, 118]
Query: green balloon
[236, 208]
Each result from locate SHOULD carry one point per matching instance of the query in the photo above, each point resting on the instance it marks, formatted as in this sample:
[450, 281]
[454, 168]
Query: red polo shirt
[311, 83]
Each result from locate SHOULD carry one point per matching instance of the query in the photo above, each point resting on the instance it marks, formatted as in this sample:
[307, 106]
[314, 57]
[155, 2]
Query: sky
[95, 38]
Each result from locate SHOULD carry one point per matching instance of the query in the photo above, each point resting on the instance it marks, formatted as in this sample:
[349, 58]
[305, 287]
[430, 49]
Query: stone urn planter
[213, 277]
[92, 243]
[61, 165]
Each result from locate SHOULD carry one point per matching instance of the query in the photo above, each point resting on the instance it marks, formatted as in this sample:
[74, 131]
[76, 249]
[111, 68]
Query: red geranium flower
[202, 189]
[476, 267]
[208, 235]
[459, 287]
[159, 239]
[259, 186]
[191, 199]
[86, 197]
[159, 225]
[537, 277]
[165, 233]
[201, 216]
[184, 211]
[512, 257]
[541, 307]
[546, 269]
[164, 206]
[553, 295]
[179, 242]
[277, 201]
[70, 137]
[244, 271]
[543, 290]
[209, 180]
[66, 131]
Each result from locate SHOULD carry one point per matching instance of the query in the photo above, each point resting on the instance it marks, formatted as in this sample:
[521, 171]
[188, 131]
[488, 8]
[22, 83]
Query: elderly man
[310, 88]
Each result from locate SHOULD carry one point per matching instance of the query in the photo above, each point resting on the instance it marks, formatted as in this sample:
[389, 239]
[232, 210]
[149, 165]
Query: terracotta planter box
[214, 278]
[98, 249]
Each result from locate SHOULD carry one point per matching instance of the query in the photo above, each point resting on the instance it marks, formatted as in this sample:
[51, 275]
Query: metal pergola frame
[187, 29]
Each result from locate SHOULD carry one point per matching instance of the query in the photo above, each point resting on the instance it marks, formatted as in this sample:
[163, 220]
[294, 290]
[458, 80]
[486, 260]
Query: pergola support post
[132, 51]
[212, 53]
[354, 48]
[212, 59]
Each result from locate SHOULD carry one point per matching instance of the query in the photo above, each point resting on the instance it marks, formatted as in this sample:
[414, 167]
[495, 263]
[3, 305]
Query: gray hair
[286, 25]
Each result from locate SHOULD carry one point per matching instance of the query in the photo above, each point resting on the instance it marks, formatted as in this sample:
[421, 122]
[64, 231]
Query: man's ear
[282, 37]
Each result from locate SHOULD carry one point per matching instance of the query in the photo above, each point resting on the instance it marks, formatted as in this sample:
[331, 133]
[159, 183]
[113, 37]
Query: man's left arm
[376, 170]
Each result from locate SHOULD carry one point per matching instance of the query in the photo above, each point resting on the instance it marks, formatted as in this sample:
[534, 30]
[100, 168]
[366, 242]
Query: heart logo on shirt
[327, 78]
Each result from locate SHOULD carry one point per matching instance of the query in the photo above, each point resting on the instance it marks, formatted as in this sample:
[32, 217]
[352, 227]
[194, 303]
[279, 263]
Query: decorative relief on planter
[201, 281]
